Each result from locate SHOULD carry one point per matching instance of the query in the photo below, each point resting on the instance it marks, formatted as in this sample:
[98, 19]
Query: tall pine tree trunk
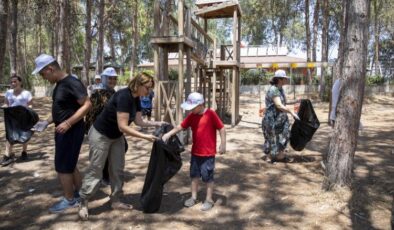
[14, 38]
[308, 38]
[315, 27]
[343, 143]
[3, 35]
[376, 9]
[100, 43]
[88, 42]
[324, 48]
[133, 59]
[64, 50]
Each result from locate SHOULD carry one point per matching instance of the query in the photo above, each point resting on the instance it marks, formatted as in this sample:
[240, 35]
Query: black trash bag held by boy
[302, 130]
[18, 121]
[165, 161]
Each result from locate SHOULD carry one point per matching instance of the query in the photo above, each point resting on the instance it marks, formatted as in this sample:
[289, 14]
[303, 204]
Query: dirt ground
[249, 193]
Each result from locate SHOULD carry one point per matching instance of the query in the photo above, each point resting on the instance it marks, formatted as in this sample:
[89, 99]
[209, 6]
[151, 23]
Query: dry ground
[249, 193]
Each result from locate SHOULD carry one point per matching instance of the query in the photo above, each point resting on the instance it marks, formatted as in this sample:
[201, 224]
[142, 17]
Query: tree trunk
[376, 9]
[308, 38]
[100, 43]
[88, 42]
[324, 48]
[315, 27]
[14, 38]
[3, 35]
[133, 59]
[343, 143]
[64, 50]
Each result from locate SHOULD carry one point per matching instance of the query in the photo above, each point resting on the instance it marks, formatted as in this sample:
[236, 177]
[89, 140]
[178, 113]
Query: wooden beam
[201, 30]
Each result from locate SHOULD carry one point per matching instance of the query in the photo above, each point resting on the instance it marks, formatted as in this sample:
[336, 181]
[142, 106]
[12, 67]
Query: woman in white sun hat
[275, 123]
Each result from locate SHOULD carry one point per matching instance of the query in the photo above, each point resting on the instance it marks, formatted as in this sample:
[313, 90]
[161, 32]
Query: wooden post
[234, 86]
[156, 61]
[214, 105]
[179, 93]
[188, 55]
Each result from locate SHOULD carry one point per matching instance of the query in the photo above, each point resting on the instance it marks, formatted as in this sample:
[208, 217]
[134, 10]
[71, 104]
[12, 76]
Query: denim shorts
[202, 167]
[67, 148]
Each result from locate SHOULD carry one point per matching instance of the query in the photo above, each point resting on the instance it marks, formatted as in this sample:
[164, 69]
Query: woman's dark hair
[274, 81]
[18, 78]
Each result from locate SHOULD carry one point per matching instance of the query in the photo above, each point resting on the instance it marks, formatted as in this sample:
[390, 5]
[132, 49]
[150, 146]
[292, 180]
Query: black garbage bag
[18, 121]
[165, 161]
[302, 130]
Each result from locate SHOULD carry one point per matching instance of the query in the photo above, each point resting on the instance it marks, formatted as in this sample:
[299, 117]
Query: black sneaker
[6, 160]
[23, 156]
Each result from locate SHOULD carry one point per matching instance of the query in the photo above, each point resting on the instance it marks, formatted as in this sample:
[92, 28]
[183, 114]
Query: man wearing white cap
[204, 123]
[69, 105]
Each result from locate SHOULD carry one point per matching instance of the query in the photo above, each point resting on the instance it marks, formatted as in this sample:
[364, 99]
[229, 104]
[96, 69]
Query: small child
[146, 105]
[204, 123]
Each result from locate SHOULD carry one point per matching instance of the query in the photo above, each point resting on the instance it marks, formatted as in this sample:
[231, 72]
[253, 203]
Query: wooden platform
[172, 42]
[225, 64]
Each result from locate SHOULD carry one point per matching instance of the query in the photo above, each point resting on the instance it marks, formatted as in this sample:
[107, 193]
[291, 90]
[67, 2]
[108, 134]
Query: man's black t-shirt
[65, 98]
[122, 101]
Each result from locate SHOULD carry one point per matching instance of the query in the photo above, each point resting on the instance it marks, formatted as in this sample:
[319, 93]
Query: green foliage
[375, 80]
[173, 75]
[255, 77]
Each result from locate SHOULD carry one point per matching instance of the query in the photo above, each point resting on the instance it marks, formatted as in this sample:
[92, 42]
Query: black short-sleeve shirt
[122, 101]
[65, 98]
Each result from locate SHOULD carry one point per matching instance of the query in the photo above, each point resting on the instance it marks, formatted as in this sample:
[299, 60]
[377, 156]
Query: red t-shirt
[204, 128]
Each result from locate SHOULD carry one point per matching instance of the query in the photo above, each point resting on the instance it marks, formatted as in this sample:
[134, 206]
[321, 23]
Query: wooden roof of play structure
[177, 30]
[217, 9]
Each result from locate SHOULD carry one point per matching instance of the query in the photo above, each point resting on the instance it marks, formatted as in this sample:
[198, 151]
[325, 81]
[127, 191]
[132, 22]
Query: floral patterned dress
[275, 123]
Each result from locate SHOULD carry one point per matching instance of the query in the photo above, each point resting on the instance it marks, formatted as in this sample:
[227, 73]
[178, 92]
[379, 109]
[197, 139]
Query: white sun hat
[193, 100]
[280, 73]
[109, 71]
[42, 61]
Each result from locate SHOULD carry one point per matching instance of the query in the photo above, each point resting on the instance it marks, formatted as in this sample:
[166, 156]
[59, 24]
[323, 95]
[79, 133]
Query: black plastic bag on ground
[302, 130]
[18, 121]
[165, 161]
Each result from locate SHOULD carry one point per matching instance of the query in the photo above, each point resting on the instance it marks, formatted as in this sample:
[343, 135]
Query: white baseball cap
[109, 71]
[193, 100]
[97, 77]
[42, 61]
[281, 74]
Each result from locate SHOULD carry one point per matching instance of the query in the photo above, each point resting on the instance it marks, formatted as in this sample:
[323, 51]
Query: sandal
[121, 206]
[207, 205]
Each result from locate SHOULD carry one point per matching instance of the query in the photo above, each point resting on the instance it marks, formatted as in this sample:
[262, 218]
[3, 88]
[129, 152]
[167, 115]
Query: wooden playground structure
[176, 31]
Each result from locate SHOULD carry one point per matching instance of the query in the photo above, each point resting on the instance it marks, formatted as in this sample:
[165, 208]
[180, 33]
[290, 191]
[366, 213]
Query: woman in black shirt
[106, 139]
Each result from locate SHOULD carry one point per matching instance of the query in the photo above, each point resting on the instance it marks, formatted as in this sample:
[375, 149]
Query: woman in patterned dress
[275, 123]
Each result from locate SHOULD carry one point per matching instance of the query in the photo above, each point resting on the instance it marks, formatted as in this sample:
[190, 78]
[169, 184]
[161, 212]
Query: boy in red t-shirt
[204, 123]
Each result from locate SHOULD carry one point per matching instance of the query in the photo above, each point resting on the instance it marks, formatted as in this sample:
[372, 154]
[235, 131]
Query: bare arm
[123, 119]
[281, 107]
[222, 147]
[175, 130]
[6, 103]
